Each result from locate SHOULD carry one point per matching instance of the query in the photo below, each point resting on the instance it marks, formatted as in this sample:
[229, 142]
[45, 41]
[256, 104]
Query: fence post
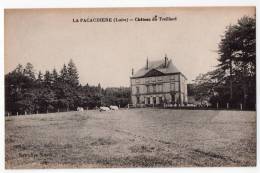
[8, 114]
[241, 106]
[37, 112]
[17, 113]
[227, 105]
[127, 106]
[58, 110]
[47, 111]
[24, 112]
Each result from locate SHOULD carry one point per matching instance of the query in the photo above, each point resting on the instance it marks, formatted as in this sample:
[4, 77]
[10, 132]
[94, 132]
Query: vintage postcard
[130, 87]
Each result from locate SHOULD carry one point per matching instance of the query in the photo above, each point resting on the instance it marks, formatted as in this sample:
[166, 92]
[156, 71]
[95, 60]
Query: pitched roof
[158, 65]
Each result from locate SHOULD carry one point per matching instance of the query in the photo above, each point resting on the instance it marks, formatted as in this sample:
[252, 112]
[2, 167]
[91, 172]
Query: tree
[18, 87]
[234, 79]
[39, 78]
[48, 79]
[19, 69]
[29, 71]
[237, 51]
[55, 75]
[64, 74]
[73, 77]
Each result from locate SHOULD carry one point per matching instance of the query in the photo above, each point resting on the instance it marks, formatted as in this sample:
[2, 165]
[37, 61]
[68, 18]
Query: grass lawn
[131, 138]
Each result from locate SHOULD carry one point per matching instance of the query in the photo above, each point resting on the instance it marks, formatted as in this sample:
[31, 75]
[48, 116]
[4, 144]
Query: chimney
[132, 71]
[165, 60]
[147, 63]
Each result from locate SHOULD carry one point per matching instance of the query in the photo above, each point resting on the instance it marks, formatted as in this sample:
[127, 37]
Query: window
[159, 88]
[166, 78]
[137, 100]
[154, 88]
[150, 89]
[160, 100]
[154, 100]
[147, 100]
[176, 86]
[177, 77]
[137, 90]
[146, 89]
[172, 86]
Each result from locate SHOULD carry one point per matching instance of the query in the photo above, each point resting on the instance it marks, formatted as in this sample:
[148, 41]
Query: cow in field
[114, 107]
[80, 109]
[103, 108]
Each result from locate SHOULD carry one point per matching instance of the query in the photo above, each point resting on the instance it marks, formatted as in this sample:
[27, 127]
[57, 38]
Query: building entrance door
[146, 101]
[160, 100]
[154, 100]
[150, 101]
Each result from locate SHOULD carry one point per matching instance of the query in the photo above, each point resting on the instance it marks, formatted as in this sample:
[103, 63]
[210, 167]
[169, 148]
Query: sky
[106, 52]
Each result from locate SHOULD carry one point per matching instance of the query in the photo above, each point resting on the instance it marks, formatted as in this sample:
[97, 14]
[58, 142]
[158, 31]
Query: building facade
[158, 83]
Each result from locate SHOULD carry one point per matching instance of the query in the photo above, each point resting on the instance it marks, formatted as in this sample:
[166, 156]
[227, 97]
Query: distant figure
[114, 107]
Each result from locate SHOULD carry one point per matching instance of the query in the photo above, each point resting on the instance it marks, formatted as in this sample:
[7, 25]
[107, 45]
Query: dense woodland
[52, 91]
[233, 81]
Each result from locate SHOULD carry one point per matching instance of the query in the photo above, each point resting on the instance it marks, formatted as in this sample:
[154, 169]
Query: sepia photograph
[147, 87]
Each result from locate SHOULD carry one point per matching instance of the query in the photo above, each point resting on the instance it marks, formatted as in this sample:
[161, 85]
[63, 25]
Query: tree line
[233, 81]
[27, 92]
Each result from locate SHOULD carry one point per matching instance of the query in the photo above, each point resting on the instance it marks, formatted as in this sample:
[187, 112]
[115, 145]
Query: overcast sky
[105, 53]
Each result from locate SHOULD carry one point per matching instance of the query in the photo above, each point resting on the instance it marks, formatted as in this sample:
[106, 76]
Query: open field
[131, 138]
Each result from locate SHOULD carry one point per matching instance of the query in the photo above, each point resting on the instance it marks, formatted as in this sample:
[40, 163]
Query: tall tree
[19, 69]
[73, 76]
[29, 71]
[40, 78]
[55, 75]
[48, 79]
[64, 74]
[237, 51]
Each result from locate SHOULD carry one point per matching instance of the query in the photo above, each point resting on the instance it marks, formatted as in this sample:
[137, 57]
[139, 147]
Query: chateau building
[157, 83]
